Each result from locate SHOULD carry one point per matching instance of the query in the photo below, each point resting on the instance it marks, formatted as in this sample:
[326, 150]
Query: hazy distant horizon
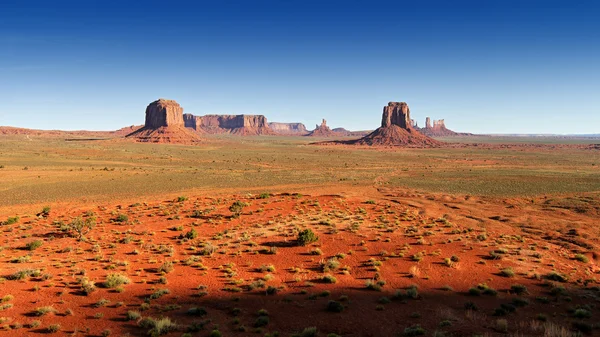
[504, 67]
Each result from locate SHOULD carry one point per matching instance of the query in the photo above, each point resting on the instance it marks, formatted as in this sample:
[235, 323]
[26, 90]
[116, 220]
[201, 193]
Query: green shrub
[582, 313]
[415, 330]
[79, 228]
[161, 327]
[474, 291]
[519, 289]
[329, 279]
[308, 332]
[121, 218]
[554, 276]
[53, 328]
[133, 315]
[507, 272]
[330, 264]
[335, 306]
[237, 208]
[25, 273]
[45, 212]
[87, 286]
[307, 237]
[372, 285]
[582, 258]
[159, 293]
[41, 311]
[520, 302]
[166, 267]
[197, 312]
[412, 292]
[116, 280]
[261, 321]
[33, 245]
[192, 234]
[11, 220]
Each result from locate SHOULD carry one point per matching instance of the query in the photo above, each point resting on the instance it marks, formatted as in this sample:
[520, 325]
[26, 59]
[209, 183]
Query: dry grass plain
[458, 241]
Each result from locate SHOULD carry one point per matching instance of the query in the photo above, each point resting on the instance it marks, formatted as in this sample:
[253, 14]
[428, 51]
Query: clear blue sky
[484, 66]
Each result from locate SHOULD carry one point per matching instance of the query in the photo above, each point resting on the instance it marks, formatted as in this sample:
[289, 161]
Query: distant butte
[322, 130]
[164, 124]
[397, 130]
[288, 128]
[437, 129]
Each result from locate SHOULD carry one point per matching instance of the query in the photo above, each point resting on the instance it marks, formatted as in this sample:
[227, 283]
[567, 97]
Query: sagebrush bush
[116, 280]
[307, 237]
[133, 315]
[79, 227]
[335, 306]
[33, 245]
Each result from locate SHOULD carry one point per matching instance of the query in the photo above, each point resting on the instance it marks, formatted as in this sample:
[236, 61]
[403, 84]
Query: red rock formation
[163, 112]
[347, 133]
[244, 125]
[438, 129]
[79, 134]
[396, 113]
[396, 130]
[193, 122]
[288, 128]
[322, 131]
[164, 124]
[127, 130]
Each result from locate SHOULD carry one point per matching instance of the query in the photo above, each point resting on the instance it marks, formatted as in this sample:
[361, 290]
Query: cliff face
[288, 128]
[236, 124]
[396, 113]
[192, 122]
[163, 112]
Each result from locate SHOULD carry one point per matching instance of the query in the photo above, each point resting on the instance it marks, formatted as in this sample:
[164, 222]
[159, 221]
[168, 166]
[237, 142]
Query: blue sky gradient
[484, 66]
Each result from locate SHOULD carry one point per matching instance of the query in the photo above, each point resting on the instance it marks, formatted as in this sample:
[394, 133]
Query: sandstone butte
[322, 131]
[164, 124]
[396, 130]
[438, 129]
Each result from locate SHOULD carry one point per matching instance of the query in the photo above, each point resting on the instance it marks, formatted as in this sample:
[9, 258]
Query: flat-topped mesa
[439, 124]
[236, 124]
[163, 112]
[288, 128]
[396, 113]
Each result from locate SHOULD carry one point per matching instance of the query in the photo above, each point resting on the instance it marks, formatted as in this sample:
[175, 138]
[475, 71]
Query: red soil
[166, 134]
[379, 240]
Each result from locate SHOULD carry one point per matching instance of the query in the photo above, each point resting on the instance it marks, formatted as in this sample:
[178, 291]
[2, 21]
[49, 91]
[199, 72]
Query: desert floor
[464, 240]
